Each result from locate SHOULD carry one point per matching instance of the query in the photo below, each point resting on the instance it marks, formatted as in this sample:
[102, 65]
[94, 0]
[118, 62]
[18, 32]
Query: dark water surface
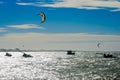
[59, 66]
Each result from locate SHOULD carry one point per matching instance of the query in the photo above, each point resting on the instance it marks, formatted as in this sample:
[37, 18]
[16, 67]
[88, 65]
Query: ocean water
[59, 66]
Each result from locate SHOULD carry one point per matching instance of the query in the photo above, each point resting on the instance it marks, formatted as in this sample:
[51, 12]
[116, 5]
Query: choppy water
[59, 66]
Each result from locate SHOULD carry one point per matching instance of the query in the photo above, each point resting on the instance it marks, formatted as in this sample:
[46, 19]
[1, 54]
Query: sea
[58, 65]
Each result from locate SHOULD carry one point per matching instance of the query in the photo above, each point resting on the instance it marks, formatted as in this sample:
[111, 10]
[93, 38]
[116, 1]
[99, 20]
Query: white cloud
[3, 30]
[26, 26]
[24, 4]
[80, 4]
[74, 41]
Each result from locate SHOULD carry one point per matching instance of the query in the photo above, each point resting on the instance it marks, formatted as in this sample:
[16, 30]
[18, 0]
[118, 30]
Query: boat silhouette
[8, 54]
[70, 52]
[27, 55]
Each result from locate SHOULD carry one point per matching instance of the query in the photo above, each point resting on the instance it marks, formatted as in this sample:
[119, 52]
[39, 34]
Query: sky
[69, 24]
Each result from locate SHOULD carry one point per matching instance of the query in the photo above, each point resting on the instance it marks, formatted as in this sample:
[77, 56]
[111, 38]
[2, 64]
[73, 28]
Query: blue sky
[92, 17]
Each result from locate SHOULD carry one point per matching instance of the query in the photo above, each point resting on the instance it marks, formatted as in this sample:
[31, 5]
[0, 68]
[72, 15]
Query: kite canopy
[42, 17]
[98, 45]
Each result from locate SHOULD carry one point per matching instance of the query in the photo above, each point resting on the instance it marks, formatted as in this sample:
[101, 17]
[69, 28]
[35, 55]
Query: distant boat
[8, 54]
[27, 55]
[108, 56]
[70, 53]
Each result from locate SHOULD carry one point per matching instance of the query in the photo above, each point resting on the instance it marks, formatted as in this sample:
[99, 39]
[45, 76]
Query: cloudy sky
[70, 24]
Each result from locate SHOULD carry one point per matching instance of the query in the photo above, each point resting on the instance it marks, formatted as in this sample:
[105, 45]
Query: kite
[98, 45]
[43, 18]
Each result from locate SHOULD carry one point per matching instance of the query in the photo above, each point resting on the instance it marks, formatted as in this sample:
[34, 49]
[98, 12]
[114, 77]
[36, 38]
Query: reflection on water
[59, 66]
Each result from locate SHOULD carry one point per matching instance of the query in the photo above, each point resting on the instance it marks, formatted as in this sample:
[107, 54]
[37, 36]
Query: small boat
[70, 53]
[27, 55]
[8, 54]
[108, 56]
